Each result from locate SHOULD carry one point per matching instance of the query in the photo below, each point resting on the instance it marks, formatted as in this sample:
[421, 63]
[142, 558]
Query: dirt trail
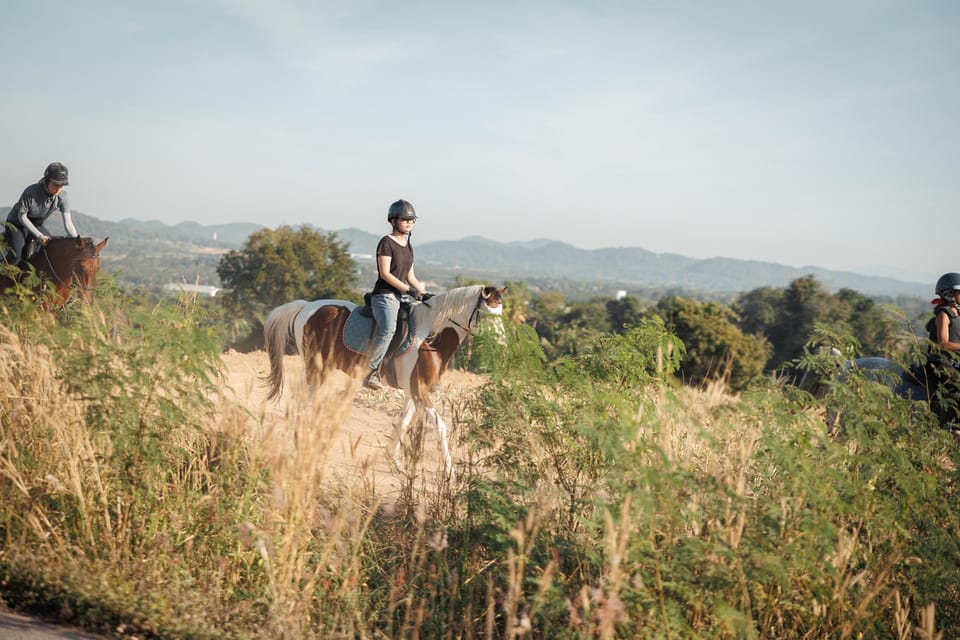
[365, 432]
[14, 626]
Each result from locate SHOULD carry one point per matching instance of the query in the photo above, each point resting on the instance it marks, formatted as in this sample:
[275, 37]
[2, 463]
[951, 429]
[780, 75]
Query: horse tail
[277, 334]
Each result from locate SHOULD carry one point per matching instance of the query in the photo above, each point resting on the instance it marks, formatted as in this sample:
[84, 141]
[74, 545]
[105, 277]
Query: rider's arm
[29, 226]
[416, 284]
[67, 218]
[943, 333]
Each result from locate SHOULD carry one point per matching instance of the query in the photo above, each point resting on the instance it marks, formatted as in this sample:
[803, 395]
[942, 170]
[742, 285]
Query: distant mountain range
[629, 267]
[189, 252]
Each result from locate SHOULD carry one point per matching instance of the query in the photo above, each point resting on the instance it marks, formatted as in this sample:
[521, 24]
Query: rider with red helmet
[943, 362]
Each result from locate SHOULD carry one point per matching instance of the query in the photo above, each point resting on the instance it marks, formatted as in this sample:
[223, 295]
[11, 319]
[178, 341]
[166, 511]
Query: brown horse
[69, 264]
[441, 324]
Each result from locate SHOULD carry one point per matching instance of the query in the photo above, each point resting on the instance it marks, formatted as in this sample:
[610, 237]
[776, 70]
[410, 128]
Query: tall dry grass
[592, 500]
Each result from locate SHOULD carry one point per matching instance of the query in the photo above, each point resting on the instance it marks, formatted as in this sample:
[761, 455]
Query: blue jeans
[385, 307]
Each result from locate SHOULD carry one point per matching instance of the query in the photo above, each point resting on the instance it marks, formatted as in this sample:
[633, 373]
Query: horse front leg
[442, 432]
[406, 417]
[314, 371]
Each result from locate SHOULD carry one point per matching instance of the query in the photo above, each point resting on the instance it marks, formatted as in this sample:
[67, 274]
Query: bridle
[475, 315]
[74, 277]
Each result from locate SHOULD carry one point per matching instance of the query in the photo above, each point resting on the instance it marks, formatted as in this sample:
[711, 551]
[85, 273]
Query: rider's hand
[416, 295]
[44, 240]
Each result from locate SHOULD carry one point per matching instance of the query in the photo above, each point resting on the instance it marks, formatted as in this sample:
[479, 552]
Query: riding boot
[373, 380]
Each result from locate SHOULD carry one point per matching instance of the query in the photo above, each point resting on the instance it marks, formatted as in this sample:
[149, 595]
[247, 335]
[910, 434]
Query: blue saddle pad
[358, 333]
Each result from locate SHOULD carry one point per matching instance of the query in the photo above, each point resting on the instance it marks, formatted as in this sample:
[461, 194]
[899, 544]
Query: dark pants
[943, 374]
[21, 245]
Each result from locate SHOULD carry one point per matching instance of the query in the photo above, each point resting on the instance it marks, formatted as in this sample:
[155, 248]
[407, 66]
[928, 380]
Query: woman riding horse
[25, 230]
[320, 331]
[396, 283]
[943, 363]
[69, 264]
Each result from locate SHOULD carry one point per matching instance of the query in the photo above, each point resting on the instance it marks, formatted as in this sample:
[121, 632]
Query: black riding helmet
[401, 209]
[57, 173]
[948, 282]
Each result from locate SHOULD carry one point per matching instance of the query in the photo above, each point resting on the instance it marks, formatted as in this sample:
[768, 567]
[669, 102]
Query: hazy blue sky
[805, 133]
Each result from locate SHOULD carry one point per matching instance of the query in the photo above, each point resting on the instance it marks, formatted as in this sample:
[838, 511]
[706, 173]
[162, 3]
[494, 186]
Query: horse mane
[444, 306]
[89, 249]
[86, 245]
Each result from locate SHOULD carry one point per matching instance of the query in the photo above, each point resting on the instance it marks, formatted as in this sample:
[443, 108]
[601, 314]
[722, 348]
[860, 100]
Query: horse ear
[102, 244]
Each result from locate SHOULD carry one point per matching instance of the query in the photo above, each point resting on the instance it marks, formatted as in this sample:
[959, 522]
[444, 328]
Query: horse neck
[63, 262]
[55, 263]
[456, 307]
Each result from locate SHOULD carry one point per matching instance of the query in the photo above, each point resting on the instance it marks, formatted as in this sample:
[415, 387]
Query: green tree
[789, 318]
[715, 345]
[759, 309]
[624, 313]
[276, 266]
[562, 325]
[873, 327]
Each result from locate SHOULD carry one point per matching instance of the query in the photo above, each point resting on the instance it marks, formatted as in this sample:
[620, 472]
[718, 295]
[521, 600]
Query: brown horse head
[71, 264]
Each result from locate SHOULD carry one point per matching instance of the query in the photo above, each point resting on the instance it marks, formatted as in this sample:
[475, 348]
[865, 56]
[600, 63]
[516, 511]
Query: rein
[74, 278]
[475, 314]
[466, 329]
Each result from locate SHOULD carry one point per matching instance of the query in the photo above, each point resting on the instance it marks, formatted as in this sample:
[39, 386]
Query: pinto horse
[70, 264]
[440, 325]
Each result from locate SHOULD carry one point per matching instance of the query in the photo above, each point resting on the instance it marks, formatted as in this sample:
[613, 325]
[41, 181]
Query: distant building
[198, 289]
[621, 294]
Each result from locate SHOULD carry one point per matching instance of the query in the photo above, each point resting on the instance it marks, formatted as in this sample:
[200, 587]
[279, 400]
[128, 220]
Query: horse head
[491, 300]
[71, 264]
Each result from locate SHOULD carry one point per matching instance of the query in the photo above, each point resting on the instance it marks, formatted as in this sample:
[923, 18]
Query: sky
[807, 133]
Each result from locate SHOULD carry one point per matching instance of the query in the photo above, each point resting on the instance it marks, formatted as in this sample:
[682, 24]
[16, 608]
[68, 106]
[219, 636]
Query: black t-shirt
[401, 261]
[953, 334]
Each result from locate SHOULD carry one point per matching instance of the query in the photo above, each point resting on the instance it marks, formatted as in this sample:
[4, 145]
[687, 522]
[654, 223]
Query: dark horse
[440, 326]
[69, 264]
[914, 383]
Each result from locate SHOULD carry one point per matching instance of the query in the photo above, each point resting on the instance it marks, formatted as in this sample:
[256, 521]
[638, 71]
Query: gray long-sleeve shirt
[36, 205]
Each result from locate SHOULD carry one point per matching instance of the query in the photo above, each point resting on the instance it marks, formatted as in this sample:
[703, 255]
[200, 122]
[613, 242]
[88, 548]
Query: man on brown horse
[24, 230]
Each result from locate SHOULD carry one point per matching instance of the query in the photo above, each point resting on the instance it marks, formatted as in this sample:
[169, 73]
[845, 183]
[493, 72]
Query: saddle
[360, 328]
[30, 248]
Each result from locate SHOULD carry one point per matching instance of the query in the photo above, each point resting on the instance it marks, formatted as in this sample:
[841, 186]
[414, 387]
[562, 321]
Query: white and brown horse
[440, 326]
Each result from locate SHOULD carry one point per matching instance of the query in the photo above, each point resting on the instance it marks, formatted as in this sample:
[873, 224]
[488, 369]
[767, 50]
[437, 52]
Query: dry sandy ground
[359, 449]
[364, 432]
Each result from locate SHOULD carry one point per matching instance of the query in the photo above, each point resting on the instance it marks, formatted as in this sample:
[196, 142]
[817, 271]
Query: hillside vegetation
[594, 498]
